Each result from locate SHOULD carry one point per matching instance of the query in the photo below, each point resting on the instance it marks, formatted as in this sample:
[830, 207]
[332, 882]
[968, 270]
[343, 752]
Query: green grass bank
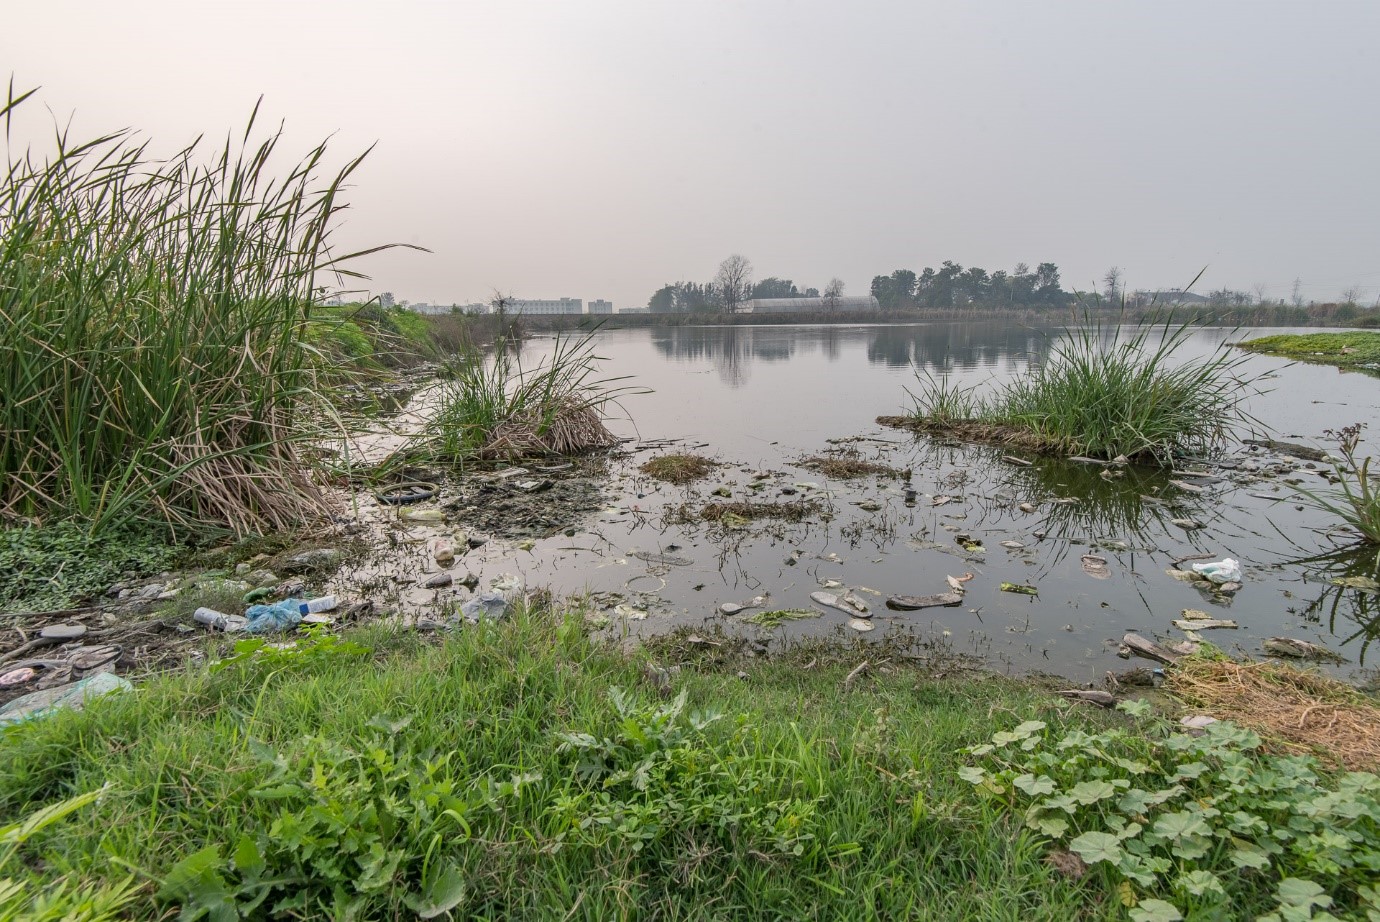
[521, 770]
[1345, 350]
[500, 765]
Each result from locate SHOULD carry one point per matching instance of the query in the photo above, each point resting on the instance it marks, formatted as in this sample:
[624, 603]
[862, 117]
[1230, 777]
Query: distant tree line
[730, 287]
[951, 285]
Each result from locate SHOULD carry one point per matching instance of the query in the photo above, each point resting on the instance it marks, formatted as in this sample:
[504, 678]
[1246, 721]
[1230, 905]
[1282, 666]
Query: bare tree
[734, 281]
[1259, 289]
[1353, 294]
[1111, 284]
[832, 293]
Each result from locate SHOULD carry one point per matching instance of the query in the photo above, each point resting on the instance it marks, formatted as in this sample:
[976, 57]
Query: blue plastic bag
[270, 619]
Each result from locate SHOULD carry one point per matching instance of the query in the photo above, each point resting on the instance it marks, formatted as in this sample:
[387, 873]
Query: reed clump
[155, 343]
[1100, 394]
[494, 408]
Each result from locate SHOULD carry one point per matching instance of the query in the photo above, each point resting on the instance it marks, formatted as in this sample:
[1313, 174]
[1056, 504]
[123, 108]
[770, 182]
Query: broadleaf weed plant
[1199, 825]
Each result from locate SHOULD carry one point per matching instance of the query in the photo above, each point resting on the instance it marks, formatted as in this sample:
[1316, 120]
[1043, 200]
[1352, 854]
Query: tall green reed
[155, 361]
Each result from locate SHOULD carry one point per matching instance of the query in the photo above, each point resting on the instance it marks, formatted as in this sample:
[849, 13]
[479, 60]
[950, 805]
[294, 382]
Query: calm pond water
[761, 399]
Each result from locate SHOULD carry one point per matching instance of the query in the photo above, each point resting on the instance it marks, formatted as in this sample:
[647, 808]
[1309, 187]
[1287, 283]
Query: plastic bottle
[212, 618]
[325, 603]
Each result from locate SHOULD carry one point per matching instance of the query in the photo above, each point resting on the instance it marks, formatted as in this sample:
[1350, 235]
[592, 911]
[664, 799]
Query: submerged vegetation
[156, 329]
[847, 466]
[1347, 350]
[679, 468]
[1098, 395]
[737, 512]
[491, 407]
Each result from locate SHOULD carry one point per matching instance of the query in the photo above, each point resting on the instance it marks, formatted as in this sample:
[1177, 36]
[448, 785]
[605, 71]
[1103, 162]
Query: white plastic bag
[1219, 571]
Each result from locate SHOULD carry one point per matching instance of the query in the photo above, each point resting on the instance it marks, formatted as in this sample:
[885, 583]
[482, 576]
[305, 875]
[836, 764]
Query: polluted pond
[871, 529]
[780, 527]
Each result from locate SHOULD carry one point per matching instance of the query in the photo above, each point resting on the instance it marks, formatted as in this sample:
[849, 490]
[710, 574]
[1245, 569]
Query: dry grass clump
[493, 407]
[847, 467]
[791, 512]
[1299, 710]
[678, 468]
[569, 427]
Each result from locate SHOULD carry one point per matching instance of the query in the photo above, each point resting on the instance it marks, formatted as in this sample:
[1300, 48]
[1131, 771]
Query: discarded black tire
[403, 494]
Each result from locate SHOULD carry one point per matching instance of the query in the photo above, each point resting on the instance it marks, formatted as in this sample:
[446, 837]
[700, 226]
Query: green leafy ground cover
[57, 566]
[1346, 350]
[520, 770]
[1188, 826]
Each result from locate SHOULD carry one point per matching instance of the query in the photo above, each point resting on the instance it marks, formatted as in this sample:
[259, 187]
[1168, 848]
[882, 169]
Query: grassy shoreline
[522, 769]
[1350, 350]
[812, 796]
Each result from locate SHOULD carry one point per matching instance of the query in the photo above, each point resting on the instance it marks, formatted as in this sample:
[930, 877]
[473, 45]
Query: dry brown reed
[1295, 709]
[572, 427]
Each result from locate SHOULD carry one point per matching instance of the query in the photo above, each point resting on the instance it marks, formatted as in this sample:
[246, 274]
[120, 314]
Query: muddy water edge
[1054, 560]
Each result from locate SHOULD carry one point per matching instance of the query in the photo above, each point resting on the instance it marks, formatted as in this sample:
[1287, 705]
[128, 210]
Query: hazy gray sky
[600, 148]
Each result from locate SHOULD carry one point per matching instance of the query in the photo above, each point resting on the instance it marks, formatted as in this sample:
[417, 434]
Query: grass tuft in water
[848, 466]
[1103, 396]
[492, 407]
[1357, 502]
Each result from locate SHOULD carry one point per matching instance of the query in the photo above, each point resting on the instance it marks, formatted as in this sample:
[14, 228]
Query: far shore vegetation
[1346, 350]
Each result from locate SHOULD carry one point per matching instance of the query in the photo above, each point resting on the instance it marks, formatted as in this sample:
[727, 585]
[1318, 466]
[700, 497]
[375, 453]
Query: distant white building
[551, 306]
[1169, 296]
[632, 310]
[600, 306]
[808, 305]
